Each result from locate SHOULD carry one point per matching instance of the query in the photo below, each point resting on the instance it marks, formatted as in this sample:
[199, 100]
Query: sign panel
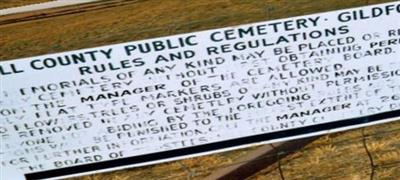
[168, 98]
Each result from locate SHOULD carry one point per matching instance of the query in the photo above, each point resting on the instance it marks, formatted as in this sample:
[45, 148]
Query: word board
[168, 98]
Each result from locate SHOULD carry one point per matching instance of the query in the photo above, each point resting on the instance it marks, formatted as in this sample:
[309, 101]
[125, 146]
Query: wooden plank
[41, 6]
[4, 4]
[90, 5]
[258, 159]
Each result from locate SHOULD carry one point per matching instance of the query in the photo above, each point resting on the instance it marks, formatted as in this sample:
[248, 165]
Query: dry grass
[335, 156]
[345, 159]
[15, 3]
[387, 173]
[146, 19]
